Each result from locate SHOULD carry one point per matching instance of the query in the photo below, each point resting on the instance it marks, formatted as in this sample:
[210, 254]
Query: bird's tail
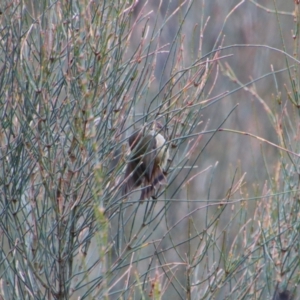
[150, 186]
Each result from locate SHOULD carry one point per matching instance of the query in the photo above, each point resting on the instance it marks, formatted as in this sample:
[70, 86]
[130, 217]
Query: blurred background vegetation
[77, 77]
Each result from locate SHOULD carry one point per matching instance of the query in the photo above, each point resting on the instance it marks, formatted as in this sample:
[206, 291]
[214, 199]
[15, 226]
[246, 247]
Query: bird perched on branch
[148, 160]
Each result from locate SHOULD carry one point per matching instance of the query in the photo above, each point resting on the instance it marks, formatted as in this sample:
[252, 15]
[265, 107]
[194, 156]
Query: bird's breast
[162, 153]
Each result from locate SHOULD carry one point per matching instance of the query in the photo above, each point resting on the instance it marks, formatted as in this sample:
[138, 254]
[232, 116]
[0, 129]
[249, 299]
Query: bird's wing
[142, 158]
[134, 139]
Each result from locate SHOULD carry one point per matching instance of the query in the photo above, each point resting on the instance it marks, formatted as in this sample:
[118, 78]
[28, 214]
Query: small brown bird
[149, 156]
